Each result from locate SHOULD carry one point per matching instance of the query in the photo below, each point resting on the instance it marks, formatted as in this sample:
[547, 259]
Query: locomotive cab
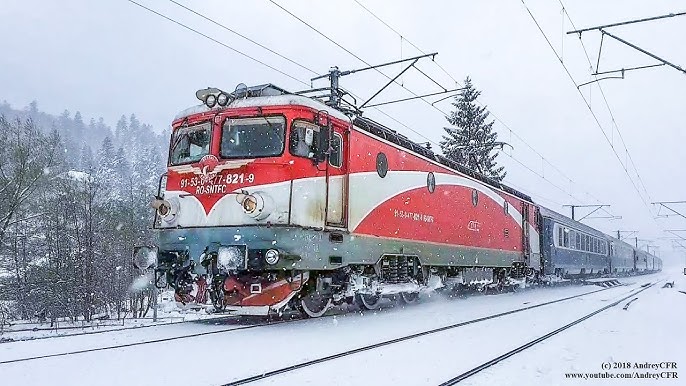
[248, 187]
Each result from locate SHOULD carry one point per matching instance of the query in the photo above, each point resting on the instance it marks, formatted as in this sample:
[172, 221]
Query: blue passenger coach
[571, 248]
[622, 257]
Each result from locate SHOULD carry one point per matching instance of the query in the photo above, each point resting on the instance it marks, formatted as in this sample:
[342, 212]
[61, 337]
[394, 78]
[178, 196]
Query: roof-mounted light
[213, 96]
[210, 100]
[223, 99]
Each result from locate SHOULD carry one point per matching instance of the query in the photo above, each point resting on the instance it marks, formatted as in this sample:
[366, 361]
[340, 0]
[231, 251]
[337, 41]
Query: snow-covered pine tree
[471, 140]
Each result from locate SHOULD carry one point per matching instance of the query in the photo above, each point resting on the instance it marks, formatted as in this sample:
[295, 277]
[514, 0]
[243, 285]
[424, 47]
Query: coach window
[578, 241]
[588, 243]
[565, 236]
[571, 239]
[559, 236]
[336, 156]
[303, 139]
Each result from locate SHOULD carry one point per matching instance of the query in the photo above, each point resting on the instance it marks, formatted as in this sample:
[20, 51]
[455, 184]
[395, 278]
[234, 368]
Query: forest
[74, 199]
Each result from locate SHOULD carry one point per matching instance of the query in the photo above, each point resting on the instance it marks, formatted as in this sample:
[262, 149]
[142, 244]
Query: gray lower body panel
[312, 249]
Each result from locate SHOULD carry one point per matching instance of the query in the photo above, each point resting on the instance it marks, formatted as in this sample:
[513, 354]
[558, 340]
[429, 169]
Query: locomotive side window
[336, 156]
[252, 137]
[431, 185]
[578, 241]
[381, 165]
[190, 144]
[303, 139]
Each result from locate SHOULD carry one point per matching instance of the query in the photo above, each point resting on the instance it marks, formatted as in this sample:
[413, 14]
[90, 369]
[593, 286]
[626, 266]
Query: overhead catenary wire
[405, 39]
[243, 36]
[355, 55]
[217, 41]
[512, 132]
[586, 102]
[602, 93]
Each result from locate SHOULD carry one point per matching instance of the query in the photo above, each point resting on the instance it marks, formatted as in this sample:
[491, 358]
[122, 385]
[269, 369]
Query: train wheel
[369, 302]
[315, 305]
[409, 297]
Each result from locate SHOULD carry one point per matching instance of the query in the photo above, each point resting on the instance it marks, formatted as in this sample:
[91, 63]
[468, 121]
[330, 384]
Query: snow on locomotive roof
[271, 100]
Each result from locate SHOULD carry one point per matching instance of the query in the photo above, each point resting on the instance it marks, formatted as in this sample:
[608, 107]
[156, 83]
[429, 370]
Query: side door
[337, 178]
[530, 237]
[534, 227]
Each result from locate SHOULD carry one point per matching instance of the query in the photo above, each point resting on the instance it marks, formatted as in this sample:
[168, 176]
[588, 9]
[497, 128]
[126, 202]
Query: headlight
[223, 99]
[167, 209]
[163, 209]
[211, 100]
[249, 204]
[271, 256]
[257, 205]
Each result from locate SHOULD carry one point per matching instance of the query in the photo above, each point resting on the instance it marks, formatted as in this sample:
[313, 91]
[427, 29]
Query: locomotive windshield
[252, 137]
[190, 144]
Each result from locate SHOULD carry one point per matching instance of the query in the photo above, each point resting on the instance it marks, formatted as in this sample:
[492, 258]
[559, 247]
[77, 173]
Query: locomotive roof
[271, 95]
[267, 95]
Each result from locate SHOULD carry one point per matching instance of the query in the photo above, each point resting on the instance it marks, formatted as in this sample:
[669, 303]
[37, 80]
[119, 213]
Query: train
[274, 200]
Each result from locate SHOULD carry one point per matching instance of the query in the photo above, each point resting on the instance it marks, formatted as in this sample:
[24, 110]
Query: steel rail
[143, 343]
[105, 328]
[267, 374]
[525, 346]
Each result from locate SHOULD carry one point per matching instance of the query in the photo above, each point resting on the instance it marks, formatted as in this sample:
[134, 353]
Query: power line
[354, 55]
[491, 112]
[404, 38]
[216, 41]
[602, 93]
[588, 106]
[243, 36]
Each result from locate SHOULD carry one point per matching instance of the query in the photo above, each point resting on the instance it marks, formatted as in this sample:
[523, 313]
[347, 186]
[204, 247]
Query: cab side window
[336, 156]
[303, 139]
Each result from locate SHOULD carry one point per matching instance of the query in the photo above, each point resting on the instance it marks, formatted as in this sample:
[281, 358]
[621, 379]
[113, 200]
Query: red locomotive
[274, 199]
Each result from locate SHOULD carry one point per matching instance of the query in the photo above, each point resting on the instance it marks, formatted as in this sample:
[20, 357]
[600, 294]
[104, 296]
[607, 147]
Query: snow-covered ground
[168, 313]
[225, 356]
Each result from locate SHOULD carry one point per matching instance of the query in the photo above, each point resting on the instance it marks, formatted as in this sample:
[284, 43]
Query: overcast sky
[108, 58]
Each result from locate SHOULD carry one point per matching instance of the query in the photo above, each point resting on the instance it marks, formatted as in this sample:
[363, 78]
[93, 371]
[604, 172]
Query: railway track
[287, 369]
[533, 342]
[113, 347]
[206, 320]
[271, 323]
